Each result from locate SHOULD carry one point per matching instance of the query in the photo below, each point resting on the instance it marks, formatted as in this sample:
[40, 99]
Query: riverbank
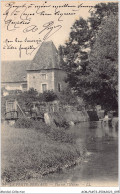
[95, 168]
[32, 153]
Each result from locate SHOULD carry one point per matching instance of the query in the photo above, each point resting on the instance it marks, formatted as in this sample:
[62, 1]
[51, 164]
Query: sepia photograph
[59, 94]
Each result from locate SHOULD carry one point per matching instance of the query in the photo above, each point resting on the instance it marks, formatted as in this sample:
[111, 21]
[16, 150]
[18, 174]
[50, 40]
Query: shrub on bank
[24, 123]
[60, 135]
[59, 119]
[53, 132]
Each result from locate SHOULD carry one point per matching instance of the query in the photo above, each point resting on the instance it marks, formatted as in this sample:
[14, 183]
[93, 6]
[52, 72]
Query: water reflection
[102, 142]
[102, 130]
[96, 135]
[96, 130]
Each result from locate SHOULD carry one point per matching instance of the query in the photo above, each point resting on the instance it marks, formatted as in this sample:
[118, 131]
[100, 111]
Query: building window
[24, 85]
[59, 87]
[43, 76]
[44, 87]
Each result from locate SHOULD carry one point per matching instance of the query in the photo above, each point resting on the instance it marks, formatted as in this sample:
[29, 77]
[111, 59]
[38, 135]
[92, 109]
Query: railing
[11, 115]
[13, 110]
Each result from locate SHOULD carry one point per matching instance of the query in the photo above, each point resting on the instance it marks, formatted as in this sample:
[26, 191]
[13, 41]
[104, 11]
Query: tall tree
[90, 52]
[75, 51]
[101, 11]
[102, 71]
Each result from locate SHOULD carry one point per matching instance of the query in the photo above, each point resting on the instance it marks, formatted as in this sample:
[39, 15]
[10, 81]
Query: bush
[48, 96]
[24, 123]
[55, 133]
[42, 127]
[59, 120]
[68, 97]
[61, 136]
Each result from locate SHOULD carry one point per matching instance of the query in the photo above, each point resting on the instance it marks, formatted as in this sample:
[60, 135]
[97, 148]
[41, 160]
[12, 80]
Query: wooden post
[6, 106]
[15, 105]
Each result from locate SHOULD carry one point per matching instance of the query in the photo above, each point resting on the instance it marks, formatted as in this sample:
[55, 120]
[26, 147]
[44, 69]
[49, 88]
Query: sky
[17, 40]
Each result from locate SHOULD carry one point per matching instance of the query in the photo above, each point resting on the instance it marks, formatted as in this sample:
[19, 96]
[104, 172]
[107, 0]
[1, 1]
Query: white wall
[13, 86]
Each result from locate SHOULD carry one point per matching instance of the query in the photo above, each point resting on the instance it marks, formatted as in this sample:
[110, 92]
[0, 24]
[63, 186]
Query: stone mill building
[43, 73]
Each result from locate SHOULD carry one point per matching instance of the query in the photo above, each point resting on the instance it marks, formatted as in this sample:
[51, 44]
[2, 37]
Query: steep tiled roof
[46, 57]
[14, 71]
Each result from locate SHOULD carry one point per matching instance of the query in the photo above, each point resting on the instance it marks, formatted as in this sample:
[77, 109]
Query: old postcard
[59, 93]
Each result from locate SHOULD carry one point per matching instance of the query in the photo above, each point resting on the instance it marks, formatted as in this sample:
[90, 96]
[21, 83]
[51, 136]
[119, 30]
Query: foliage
[24, 123]
[67, 97]
[55, 132]
[26, 99]
[48, 96]
[75, 52]
[102, 71]
[101, 11]
[60, 120]
[59, 134]
[91, 56]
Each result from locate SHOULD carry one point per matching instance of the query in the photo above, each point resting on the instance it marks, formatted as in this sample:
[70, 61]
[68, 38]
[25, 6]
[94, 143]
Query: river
[100, 166]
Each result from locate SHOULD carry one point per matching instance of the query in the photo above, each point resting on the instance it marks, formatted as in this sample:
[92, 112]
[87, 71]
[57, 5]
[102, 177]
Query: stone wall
[76, 116]
[35, 79]
[70, 117]
[53, 77]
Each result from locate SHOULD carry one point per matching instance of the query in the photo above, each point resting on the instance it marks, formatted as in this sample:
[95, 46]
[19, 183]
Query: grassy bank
[33, 152]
